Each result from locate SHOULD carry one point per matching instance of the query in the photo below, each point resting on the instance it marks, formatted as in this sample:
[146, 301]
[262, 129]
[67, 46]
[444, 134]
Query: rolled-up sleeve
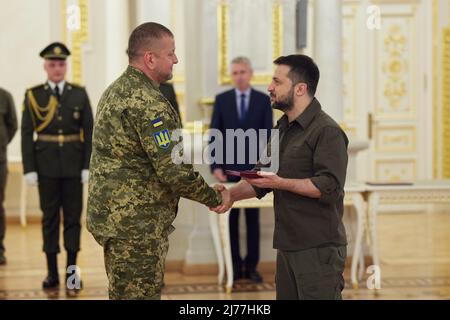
[330, 164]
[260, 192]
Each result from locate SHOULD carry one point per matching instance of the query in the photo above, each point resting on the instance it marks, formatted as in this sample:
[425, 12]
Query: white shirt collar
[60, 85]
[246, 92]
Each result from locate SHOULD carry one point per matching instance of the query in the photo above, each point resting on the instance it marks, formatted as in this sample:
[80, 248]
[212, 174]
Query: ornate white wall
[396, 73]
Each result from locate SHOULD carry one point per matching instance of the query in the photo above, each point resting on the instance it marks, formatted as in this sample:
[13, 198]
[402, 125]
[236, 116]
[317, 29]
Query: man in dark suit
[59, 114]
[241, 108]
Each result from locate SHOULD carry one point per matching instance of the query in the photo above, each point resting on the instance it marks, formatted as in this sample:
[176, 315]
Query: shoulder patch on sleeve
[162, 138]
[157, 122]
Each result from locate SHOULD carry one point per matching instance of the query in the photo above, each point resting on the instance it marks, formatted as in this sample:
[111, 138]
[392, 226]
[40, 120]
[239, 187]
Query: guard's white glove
[84, 176]
[31, 178]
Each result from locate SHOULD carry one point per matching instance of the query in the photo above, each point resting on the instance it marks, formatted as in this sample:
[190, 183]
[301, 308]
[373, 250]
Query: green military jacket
[134, 185]
[8, 122]
[44, 115]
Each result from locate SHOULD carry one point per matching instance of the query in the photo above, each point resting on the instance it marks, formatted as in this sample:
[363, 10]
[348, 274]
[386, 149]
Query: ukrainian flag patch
[162, 138]
[157, 122]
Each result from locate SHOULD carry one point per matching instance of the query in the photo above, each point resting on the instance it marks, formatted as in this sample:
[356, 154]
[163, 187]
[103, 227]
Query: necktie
[57, 93]
[243, 109]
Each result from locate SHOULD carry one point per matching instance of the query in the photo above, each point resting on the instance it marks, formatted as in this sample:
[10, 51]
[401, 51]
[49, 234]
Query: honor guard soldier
[56, 148]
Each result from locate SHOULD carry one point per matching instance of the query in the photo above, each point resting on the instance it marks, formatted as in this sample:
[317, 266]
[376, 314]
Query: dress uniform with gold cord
[56, 148]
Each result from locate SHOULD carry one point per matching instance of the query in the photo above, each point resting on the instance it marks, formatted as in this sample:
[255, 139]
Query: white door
[387, 87]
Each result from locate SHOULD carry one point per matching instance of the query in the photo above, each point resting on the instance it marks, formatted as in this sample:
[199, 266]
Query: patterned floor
[391, 288]
[414, 249]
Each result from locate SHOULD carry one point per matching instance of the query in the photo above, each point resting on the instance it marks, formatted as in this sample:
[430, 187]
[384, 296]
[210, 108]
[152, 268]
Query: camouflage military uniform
[8, 128]
[135, 187]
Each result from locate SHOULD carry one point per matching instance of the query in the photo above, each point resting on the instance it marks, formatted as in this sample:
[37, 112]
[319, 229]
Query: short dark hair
[143, 37]
[303, 69]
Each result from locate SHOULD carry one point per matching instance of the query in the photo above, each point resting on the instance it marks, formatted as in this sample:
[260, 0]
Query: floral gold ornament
[395, 66]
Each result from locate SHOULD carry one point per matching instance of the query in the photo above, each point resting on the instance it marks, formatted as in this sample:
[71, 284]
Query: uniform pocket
[321, 286]
[332, 258]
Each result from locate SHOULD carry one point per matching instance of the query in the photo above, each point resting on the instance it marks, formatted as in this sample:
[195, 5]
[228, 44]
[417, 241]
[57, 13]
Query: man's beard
[167, 77]
[163, 77]
[285, 104]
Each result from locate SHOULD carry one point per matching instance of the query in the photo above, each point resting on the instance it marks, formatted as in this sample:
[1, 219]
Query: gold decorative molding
[395, 169]
[436, 139]
[277, 33]
[397, 76]
[446, 103]
[349, 71]
[395, 66]
[206, 101]
[397, 139]
[414, 196]
[223, 37]
[75, 39]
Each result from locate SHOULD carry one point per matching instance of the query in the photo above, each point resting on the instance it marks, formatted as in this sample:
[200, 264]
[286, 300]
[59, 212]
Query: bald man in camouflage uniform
[134, 185]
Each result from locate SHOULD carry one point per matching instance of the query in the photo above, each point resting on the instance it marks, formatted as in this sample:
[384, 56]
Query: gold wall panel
[436, 138]
[446, 103]
[224, 36]
[395, 139]
[396, 169]
[74, 39]
[349, 43]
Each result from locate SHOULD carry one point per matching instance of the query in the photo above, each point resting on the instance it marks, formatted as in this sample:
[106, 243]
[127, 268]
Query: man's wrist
[282, 184]
[233, 196]
[219, 198]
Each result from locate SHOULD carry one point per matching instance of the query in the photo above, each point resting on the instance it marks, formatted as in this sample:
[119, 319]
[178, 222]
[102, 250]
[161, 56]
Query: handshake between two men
[244, 189]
